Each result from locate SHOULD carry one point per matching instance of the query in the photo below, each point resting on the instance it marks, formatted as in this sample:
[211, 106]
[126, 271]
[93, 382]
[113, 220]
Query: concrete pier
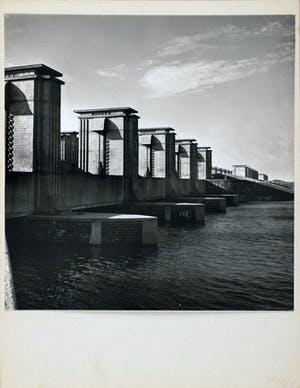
[109, 229]
[171, 212]
[212, 204]
[231, 199]
[32, 125]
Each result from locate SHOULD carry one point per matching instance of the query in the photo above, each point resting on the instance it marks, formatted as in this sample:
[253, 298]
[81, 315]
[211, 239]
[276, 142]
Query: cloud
[187, 43]
[274, 28]
[182, 44]
[117, 71]
[147, 62]
[172, 79]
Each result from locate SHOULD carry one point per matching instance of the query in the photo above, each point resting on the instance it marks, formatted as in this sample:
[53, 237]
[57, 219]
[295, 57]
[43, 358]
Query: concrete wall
[19, 194]
[78, 190]
[186, 187]
[200, 186]
[218, 186]
[251, 191]
[150, 188]
[183, 187]
[81, 190]
[160, 188]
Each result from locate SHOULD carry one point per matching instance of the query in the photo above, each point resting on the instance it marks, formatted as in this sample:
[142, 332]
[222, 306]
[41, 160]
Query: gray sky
[227, 81]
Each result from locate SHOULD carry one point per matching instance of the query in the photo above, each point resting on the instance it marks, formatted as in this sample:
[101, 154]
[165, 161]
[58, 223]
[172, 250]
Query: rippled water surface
[240, 260]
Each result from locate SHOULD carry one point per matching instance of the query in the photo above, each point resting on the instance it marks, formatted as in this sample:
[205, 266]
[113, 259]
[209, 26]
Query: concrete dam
[111, 182]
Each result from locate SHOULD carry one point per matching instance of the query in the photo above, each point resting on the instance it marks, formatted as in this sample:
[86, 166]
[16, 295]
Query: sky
[227, 81]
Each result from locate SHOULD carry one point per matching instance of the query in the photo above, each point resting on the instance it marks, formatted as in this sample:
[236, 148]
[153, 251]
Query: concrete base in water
[231, 199]
[212, 204]
[91, 228]
[172, 212]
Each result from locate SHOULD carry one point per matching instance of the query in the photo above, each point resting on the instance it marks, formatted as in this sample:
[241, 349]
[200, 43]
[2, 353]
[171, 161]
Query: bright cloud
[187, 43]
[171, 79]
[118, 71]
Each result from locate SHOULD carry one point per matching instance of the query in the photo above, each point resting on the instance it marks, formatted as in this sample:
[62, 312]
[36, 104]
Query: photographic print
[149, 162]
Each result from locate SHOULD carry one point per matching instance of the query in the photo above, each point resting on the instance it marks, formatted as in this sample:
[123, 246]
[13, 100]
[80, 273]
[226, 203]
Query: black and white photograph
[149, 162]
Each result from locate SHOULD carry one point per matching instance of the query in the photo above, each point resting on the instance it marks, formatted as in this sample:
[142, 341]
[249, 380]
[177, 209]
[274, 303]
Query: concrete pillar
[32, 104]
[108, 144]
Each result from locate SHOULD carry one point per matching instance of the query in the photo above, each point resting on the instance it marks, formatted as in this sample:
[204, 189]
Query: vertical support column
[130, 156]
[33, 99]
[170, 164]
[47, 142]
[193, 166]
[208, 163]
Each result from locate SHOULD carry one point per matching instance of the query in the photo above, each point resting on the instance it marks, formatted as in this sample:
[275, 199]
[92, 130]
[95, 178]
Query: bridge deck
[262, 183]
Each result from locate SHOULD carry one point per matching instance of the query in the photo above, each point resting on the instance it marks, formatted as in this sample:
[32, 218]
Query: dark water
[239, 260]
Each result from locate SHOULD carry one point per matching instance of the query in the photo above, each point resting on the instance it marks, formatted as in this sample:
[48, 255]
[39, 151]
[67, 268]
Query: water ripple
[241, 260]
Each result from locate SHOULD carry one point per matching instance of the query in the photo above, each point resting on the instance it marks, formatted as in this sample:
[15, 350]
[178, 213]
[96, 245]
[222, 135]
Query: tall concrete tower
[108, 144]
[32, 110]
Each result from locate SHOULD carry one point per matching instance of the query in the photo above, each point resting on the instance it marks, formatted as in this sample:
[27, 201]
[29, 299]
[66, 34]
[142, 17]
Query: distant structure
[244, 171]
[157, 152]
[262, 177]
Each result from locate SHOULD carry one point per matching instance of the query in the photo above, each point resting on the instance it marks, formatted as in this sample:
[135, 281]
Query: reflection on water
[239, 260]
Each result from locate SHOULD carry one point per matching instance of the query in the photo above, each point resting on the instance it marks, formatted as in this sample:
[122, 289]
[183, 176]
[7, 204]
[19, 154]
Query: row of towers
[99, 148]
[109, 141]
